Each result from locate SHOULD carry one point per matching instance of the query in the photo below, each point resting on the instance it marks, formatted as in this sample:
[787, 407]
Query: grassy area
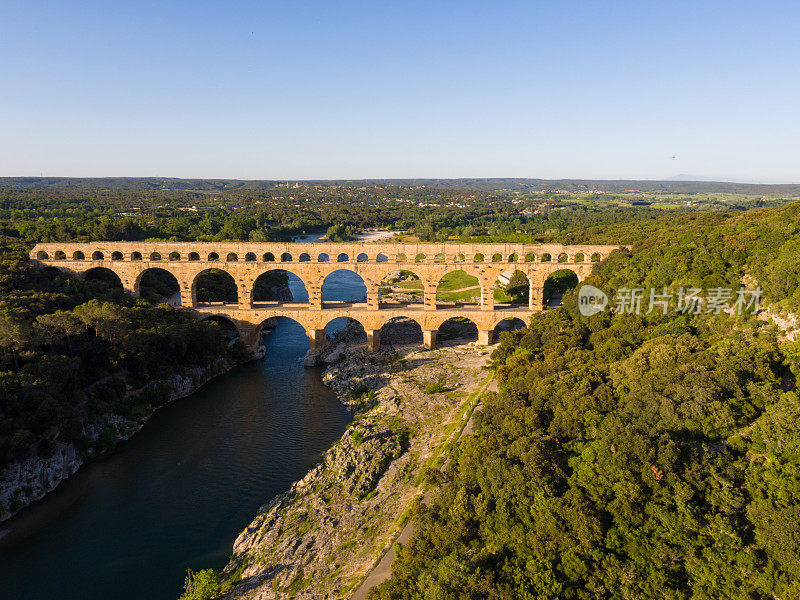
[456, 280]
[456, 286]
[409, 284]
[501, 296]
[469, 295]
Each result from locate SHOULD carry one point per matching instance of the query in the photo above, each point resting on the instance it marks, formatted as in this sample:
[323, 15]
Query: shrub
[202, 585]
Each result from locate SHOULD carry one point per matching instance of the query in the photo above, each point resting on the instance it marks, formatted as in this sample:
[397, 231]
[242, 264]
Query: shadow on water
[178, 493]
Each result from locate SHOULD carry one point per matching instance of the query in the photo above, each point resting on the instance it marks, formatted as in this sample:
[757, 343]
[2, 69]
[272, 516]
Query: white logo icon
[591, 300]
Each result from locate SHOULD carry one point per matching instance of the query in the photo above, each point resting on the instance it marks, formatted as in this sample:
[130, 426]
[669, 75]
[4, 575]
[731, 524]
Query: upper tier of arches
[323, 252]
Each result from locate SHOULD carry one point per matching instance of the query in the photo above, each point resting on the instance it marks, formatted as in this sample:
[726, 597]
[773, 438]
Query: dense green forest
[633, 456]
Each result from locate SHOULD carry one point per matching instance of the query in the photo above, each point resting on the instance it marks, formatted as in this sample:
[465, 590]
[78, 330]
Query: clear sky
[303, 90]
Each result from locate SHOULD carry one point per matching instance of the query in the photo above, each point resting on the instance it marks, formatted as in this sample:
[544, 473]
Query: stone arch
[155, 256]
[305, 257]
[346, 286]
[174, 256]
[214, 286]
[460, 258]
[194, 256]
[116, 255]
[59, 255]
[478, 258]
[563, 257]
[497, 257]
[420, 258]
[362, 257]
[232, 257]
[268, 257]
[136, 255]
[78, 255]
[342, 257]
[458, 287]
[349, 328]
[457, 330]
[439, 258]
[503, 325]
[250, 257]
[323, 257]
[97, 255]
[42, 255]
[103, 275]
[512, 287]
[401, 257]
[52, 271]
[596, 257]
[293, 342]
[530, 257]
[381, 258]
[557, 283]
[401, 287]
[213, 257]
[513, 257]
[228, 327]
[399, 331]
[158, 285]
[546, 257]
[286, 257]
[272, 286]
[579, 257]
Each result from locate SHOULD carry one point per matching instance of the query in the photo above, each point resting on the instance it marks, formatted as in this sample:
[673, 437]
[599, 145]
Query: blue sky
[301, 90]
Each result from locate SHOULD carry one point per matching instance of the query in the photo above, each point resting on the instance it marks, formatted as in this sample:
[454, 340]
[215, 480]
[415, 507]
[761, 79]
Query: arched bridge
[313, 262]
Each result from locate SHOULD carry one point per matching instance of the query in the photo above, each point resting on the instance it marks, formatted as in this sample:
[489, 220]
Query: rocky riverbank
[31, 479]
[323, 536]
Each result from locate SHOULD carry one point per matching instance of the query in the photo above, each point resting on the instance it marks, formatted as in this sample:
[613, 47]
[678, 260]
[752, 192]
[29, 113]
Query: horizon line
[676, 179]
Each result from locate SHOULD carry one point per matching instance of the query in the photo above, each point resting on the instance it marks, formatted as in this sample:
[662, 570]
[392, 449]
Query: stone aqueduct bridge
[313, 262]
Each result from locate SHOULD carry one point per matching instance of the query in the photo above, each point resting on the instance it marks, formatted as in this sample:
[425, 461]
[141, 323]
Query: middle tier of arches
[411, 284]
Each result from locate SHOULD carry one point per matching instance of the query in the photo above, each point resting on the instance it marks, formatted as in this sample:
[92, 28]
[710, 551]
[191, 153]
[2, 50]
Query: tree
[202, 585]
[14, 335]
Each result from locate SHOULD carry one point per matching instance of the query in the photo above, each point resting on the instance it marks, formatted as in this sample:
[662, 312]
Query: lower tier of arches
[456, 326]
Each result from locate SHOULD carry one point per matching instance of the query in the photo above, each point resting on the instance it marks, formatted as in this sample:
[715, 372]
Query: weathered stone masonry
[312, 263]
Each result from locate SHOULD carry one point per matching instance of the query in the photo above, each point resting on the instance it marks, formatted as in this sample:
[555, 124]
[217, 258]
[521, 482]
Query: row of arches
[402, 287]
[545, 257]
[398, 331]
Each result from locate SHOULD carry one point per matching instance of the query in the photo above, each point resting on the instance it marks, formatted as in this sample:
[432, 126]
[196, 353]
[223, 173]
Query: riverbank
[323, 536]
[29, 480]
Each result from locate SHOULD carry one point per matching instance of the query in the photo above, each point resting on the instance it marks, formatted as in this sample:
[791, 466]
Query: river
[176, 495]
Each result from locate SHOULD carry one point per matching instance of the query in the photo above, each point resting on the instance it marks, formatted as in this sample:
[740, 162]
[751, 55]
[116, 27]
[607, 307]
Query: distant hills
[512, 184]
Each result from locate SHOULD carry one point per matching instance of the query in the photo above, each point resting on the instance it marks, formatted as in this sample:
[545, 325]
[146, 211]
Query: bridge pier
[429, 297]
[487, 294]
[316, 337]
[374, 339]
[188, 296]
[484, 337]
[429, 338]
[535, 297]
